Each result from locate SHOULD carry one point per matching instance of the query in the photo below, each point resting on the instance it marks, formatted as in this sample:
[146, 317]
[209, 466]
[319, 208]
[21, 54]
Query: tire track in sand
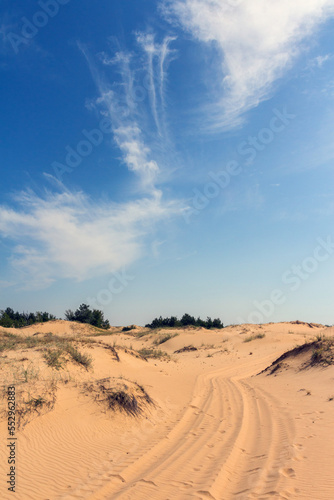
[231, 442]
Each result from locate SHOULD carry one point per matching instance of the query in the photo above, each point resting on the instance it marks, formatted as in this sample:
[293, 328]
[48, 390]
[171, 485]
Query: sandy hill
[239, 413]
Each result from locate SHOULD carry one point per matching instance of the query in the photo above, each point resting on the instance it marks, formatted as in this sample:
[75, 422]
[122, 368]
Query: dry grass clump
[122, 395]
[323, 351]
[254, 337]
[187, 348]
[153, 354]
[162, 339]
[78, 357]
[123, 401]
[54, 358]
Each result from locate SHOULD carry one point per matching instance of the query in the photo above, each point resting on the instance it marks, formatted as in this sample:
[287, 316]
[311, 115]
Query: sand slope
[218, 427]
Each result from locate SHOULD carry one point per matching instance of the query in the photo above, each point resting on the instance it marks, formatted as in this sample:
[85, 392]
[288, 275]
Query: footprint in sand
[288, 472]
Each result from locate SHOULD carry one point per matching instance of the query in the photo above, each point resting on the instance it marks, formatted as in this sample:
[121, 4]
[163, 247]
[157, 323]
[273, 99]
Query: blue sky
[162, 157]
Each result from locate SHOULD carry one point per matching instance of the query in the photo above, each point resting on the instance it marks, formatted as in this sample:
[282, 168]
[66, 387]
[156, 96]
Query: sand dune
[207, 422]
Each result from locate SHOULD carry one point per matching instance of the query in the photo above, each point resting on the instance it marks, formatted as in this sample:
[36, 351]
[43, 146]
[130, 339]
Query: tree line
[11, 319]
[186, 320]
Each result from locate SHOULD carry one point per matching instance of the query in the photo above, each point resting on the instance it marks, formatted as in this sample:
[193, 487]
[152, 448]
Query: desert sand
[201, 423]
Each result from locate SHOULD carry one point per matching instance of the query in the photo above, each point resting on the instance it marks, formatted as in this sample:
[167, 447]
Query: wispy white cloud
[67, 235]
[64, 234]
[165, 56]
[319, 61]
[256, 42]
[130, 130]
[158, 57]
[147, 43]
[135, 153]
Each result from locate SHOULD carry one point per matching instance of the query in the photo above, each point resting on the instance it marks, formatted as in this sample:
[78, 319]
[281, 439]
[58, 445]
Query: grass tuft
[78, 357]
[164, 338]
[254, 337]
[124, 401]
[36, 402]
[54, 358]
[152, 353]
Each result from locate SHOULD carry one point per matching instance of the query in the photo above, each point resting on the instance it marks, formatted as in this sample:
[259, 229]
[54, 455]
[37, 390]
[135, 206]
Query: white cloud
[158, 56]
[123, 103]
[135, 153]
[319, 61]
[257, 41]
[66, 235]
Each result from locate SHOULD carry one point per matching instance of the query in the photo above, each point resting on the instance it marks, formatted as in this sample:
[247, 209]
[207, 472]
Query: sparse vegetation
[141, 334]
[254, 337]
[54, 358]
[323, 351]
[55, 347]
[28, 373]
[29, 405]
